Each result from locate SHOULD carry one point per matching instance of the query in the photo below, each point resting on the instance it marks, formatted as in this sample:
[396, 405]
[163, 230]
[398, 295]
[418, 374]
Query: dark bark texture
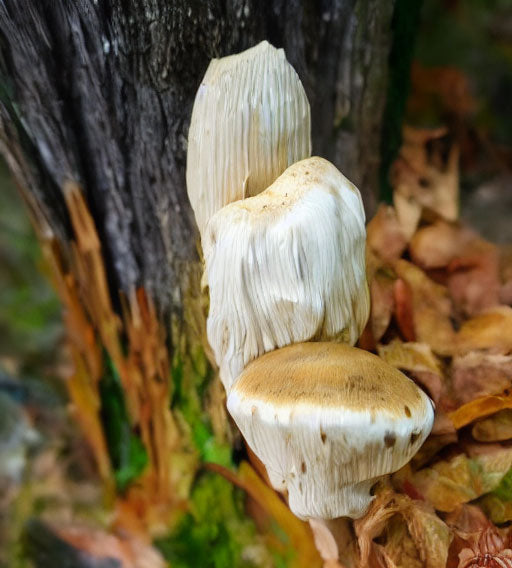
[101, 91]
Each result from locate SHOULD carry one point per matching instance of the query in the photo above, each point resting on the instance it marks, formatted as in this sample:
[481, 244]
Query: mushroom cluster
[283, 237]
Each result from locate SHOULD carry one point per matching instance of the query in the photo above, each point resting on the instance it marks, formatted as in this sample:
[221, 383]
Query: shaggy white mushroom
[286, 266]
[250, 121]
[328, 420]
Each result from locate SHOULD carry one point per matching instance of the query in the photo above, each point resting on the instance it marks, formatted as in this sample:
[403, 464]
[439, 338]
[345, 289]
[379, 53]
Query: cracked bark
[102, 91]
[99, 93]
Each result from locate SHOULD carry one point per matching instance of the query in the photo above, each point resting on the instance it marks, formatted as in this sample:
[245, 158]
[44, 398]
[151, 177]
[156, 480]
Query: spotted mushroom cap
[250, 121]
[286, 266]
[328, 420]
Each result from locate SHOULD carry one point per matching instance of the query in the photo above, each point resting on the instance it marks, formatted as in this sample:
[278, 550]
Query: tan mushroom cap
[250, 121]
[328, 420]
[286, 266]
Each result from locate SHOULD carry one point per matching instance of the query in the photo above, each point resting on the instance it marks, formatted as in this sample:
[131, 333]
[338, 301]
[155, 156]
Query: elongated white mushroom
[250, 121]
[286, 266]
[328, 420]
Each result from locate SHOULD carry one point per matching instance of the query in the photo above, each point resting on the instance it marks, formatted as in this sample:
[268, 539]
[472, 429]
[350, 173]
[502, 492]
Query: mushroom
[286, 266]
[328, 420]
[250, 121]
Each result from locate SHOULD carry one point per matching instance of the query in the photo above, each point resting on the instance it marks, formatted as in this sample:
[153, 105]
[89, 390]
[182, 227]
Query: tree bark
[95, 105]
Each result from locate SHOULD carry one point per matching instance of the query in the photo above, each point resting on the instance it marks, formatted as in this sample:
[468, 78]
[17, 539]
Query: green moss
[127, 453]
[215, 532]
[190, 383]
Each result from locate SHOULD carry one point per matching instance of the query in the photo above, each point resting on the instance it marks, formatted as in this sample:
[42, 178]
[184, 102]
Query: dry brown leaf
[491, 331]
[494, 429]
[498, 510]
[418, 359]
[506, 275]
[384, 235]
[408, 211]
[479, 374]
[432, 309]
[466, 522]
[372, 525]
[404, 309]
[400, 547]
[382, 302]
[435, 246]
[422, 182]
[485, 549]
[431, 537]
[474, 280]
[450, 483]
[410, 356]
[480, 408]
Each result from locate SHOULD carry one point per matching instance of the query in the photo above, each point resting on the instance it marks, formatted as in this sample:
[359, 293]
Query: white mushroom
[286, 266]
[249, 123]
[328, 420]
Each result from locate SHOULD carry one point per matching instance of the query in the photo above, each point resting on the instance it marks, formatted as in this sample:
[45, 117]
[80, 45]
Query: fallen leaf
[423, 182]
[408, 210]
[384, 235]
[399, 546]
[479, 374]
[410, 356]
[404, 309]
[474, 279]
[382, 302]
[435, 246]
[494, 429]
[429, 534]
[496, 509]
[506, 275]
[432, 309]
[450, 483]
[467, 523]
[486, 549]
[480, 408]
[491, 330]
[418, 359]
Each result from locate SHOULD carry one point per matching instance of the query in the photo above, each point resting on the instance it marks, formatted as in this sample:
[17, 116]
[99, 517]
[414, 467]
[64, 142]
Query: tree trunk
[95, 106]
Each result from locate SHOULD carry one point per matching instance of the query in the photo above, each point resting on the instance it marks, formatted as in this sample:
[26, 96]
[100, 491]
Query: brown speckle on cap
[407, 411]
[389, 439]
[414, 437]
[303, 467]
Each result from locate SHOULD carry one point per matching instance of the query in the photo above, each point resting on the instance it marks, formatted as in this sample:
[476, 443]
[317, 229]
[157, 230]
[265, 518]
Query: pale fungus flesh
[286, 266]
[328, 420]
[250, 121]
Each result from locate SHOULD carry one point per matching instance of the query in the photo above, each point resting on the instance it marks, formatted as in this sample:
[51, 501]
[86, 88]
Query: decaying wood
[95, 102]
[103, 92]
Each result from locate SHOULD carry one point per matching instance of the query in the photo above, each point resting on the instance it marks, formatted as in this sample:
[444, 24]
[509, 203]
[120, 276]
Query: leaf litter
[440, 313]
